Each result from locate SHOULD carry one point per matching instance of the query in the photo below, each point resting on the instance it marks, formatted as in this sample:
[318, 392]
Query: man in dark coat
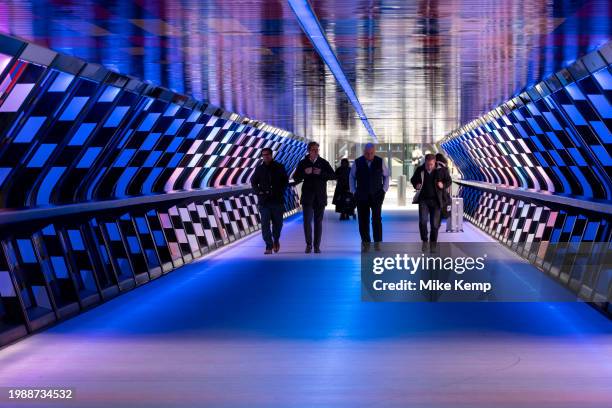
[343, 198]
[315, 172]
[430, 184]
[369, 182]
[269, 182]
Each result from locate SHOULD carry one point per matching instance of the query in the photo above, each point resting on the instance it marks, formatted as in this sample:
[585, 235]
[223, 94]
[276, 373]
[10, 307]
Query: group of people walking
[362, 185]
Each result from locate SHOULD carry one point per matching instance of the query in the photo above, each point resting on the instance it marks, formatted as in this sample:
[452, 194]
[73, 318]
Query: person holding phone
[315, 172]
[430, 184]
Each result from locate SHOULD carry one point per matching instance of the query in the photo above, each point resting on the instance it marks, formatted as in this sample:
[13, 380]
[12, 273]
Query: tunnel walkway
[243, 329]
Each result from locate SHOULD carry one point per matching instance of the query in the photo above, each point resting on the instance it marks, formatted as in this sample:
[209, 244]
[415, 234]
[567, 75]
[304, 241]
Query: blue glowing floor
[240, 329]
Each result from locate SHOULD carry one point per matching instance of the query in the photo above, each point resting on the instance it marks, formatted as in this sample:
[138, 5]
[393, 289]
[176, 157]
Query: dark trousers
[429, 208]
[271, 214]
[313, 213]
[364, 208]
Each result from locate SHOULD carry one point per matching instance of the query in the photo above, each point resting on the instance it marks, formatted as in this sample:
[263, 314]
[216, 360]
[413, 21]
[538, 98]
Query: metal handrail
[16, 216]
[590, 205]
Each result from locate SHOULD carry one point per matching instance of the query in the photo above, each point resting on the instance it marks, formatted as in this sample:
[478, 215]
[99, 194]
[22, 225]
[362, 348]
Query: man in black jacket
[269, 182]
[369, 182]
[315, 171]
[430, 184]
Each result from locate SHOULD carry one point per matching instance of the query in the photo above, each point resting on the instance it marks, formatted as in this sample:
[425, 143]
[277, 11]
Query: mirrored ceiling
[419, 68]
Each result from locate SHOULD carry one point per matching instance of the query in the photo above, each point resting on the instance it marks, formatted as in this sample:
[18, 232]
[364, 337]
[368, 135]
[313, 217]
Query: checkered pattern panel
[107, 278]
[61, 285]
[554, 137]
[144, 235]
[160, 240]
[136, 252]
[11, 311]
[529, 229]
[173, 237]
[86, 273]
[118, 251]
[189, 225]
[180, 228]
[60, 269]
[72, 131]
[31, 277]
[197, 236]
[249, 211]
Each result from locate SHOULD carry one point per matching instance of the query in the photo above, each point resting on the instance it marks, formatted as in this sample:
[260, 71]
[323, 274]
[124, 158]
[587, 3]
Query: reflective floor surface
[240, 329]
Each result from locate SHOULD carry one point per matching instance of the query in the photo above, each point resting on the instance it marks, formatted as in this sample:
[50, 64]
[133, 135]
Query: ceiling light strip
[313, 30]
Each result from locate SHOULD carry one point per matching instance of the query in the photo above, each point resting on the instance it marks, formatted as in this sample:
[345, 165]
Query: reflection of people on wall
[343, 198]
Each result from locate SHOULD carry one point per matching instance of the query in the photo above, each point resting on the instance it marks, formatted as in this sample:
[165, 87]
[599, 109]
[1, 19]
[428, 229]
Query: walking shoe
[308, 249]
[317, 251]
[377, 246]
[268, 251]
[424, 246]
[365, 246]
[433, 246]
[276, 246]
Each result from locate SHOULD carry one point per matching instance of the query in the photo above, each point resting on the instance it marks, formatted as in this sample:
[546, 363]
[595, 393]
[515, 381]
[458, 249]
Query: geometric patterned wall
[554, 137]
[554, 238]
[73, 132]
[555, 141]
[54, 271]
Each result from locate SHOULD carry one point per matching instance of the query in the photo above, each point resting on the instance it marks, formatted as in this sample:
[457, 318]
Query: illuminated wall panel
[554, 140]
[530, 229]
[72, 132]
[554, 137]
